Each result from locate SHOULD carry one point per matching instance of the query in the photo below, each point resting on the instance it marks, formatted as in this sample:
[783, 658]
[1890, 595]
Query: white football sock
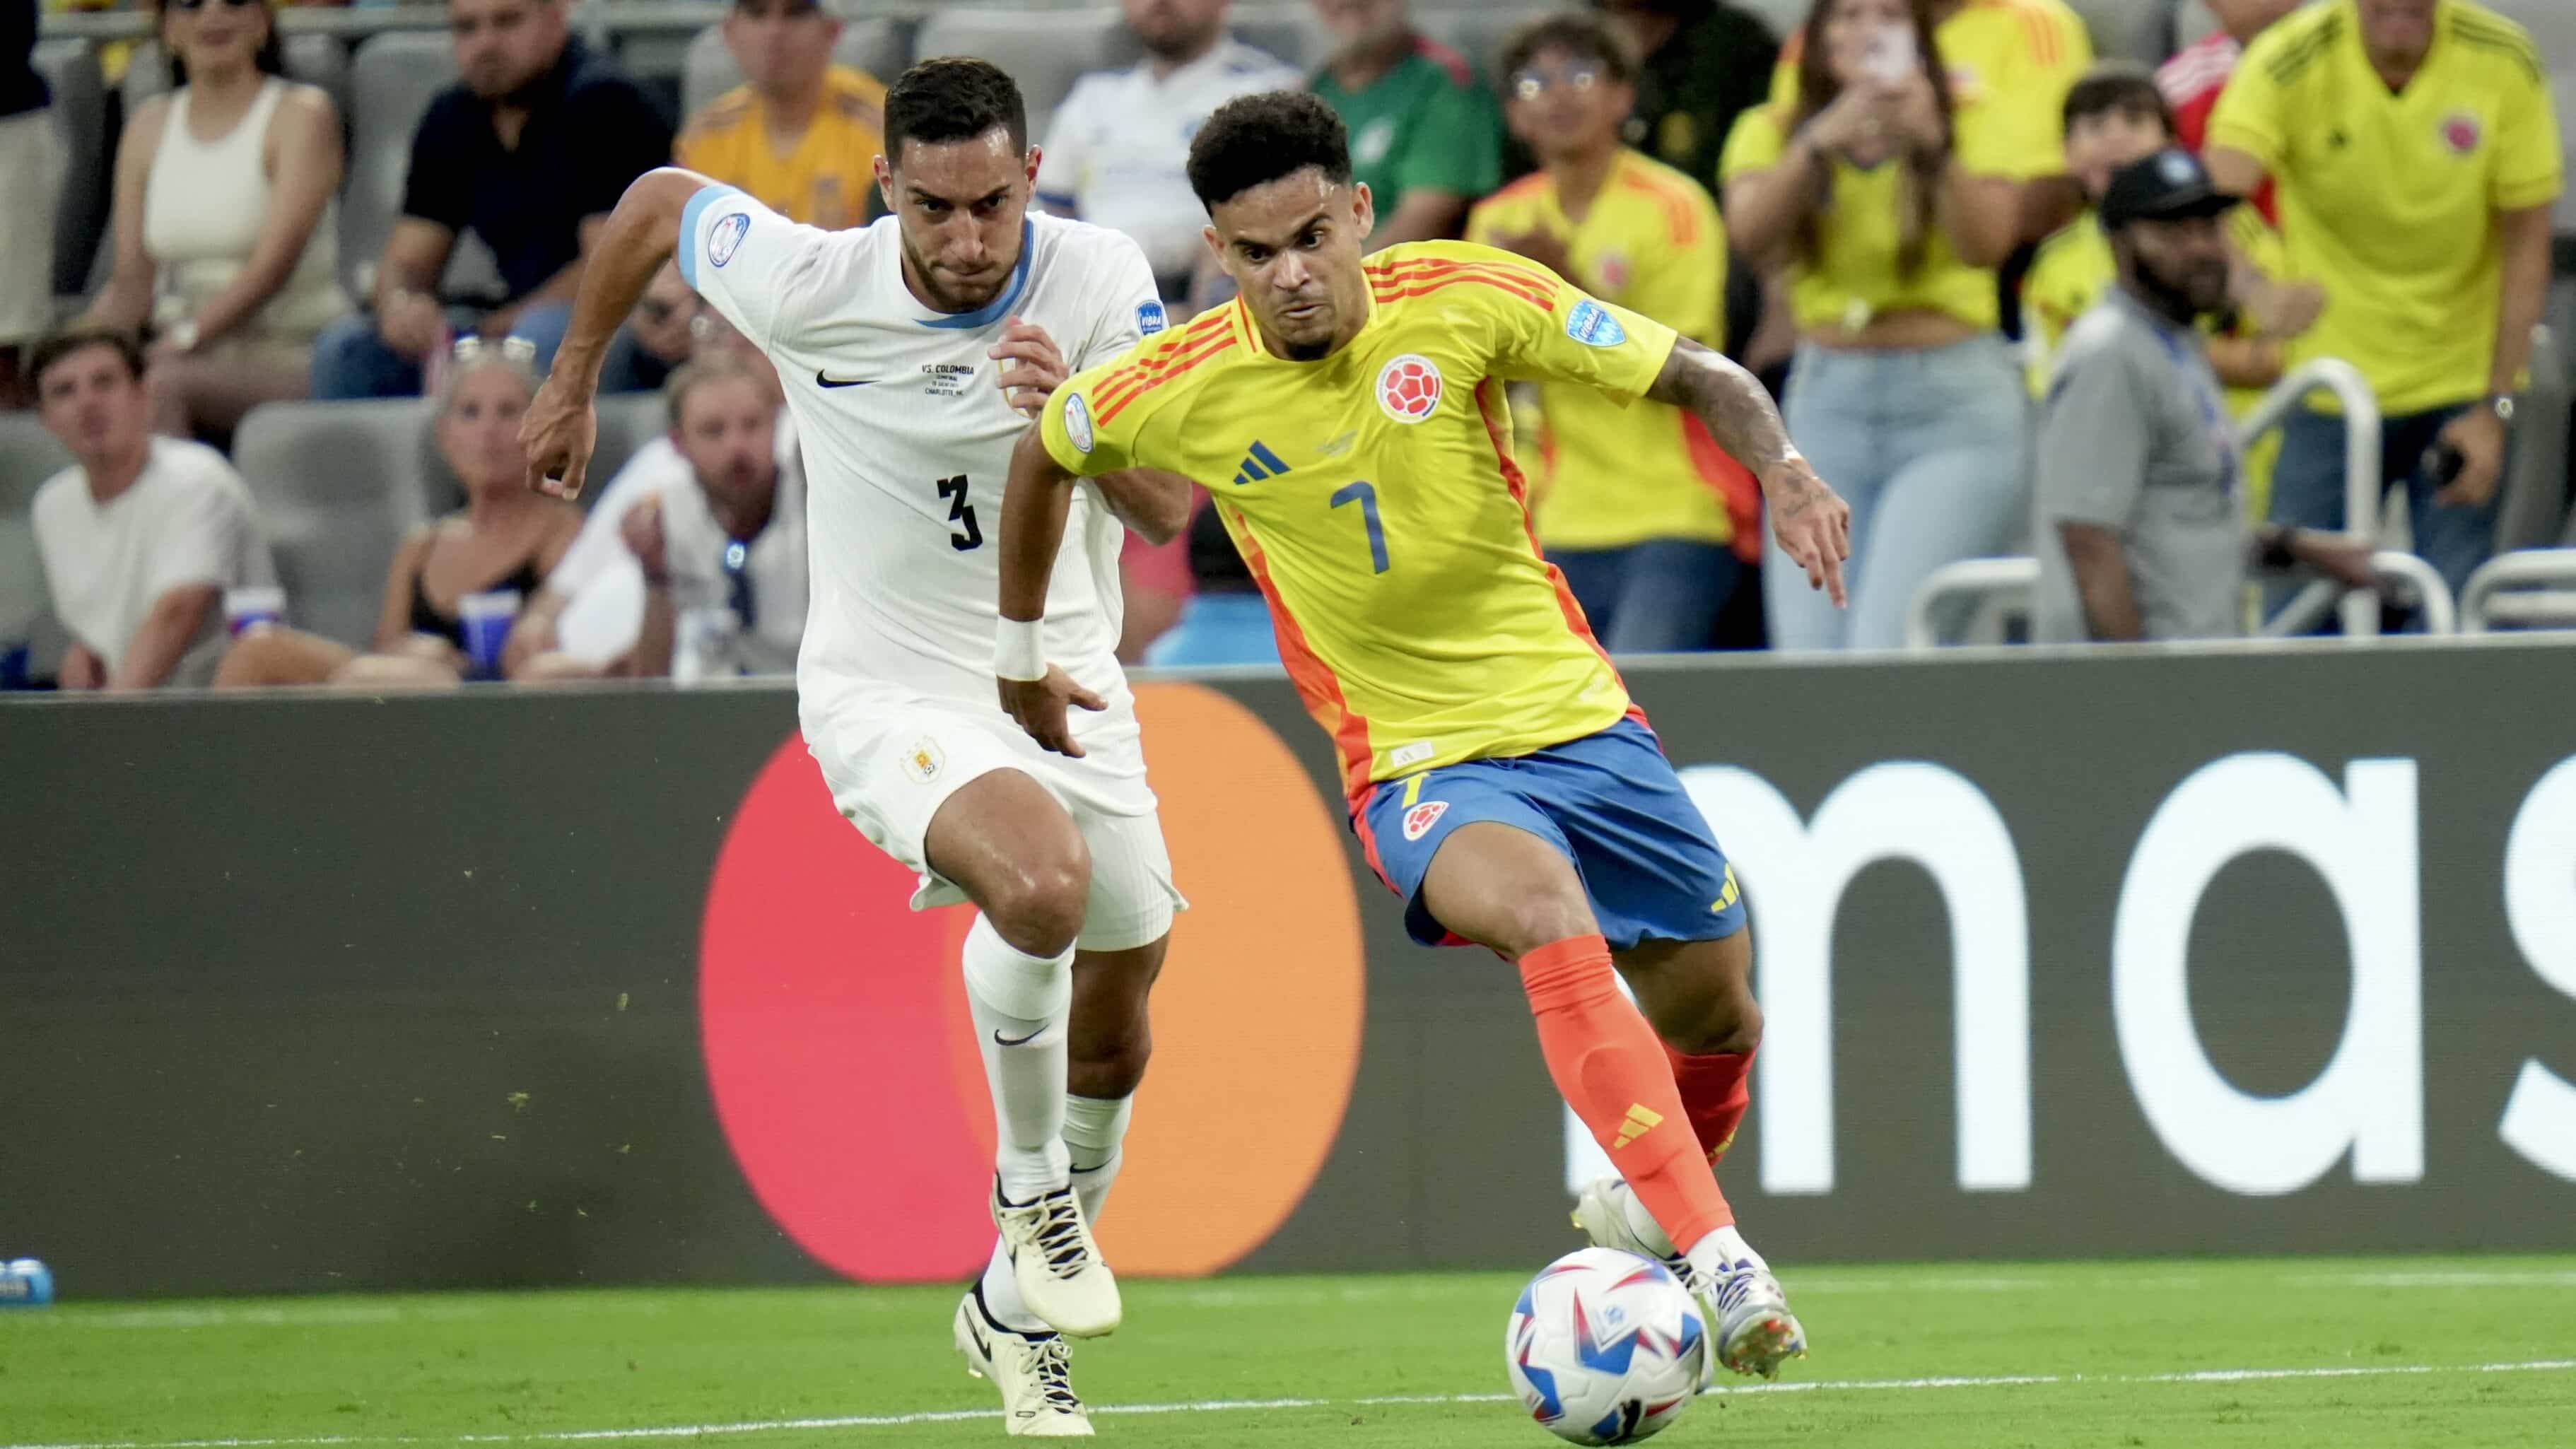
[1018, 1003]
[1002, 1299]
[1722, 1252]
[1093, 1129]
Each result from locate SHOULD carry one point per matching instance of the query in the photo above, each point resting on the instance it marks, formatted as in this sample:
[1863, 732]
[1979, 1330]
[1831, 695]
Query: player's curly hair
[1254, 140]
[952, 98]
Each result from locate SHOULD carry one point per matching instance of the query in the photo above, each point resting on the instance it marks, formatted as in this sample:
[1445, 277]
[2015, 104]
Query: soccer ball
[1605, 1347]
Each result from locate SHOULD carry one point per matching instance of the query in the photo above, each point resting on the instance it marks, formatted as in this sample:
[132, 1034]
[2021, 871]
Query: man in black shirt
[530, 151]
[1704, 62]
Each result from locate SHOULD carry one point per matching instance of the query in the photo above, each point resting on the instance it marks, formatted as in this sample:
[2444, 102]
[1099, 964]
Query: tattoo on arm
[1739, 413]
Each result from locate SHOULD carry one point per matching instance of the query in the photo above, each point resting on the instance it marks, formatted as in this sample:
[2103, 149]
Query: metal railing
[2361, 483]
[2008, 588]
[2535, 588]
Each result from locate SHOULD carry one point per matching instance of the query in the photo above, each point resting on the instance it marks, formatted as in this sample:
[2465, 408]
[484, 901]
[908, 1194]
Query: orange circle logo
[845, 1073]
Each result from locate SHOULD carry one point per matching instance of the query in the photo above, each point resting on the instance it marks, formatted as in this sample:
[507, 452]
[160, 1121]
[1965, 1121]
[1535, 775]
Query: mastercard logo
[844, 1070]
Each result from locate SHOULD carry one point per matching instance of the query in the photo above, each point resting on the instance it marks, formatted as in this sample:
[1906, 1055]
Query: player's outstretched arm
[1812, 521]
[1034, 692]
[638, 237]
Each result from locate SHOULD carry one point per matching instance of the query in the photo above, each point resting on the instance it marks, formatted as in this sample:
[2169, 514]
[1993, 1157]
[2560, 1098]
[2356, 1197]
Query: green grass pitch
[2353, 1354]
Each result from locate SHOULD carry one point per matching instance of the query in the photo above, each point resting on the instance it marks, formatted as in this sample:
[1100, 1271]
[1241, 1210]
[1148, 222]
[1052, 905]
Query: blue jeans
[2308, 491]
[1223, 628]
[1932, 451]
[1662, 596]
[350, 360]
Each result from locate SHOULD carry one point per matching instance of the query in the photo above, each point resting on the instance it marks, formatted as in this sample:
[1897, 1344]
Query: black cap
[2171, 185]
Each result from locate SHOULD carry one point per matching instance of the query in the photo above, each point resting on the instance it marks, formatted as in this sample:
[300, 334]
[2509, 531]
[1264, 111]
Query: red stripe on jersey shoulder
[1412, 279]
[1156, 355]
[1142, 376]
[1681, 212]
[1461, 74]
[1488, 392]
[1316, 683]
[1530, 185]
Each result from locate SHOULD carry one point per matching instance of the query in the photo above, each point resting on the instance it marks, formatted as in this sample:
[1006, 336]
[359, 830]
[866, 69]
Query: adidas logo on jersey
[1262, 463]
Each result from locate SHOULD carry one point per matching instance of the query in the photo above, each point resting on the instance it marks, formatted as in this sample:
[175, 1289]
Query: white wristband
[1019, 649]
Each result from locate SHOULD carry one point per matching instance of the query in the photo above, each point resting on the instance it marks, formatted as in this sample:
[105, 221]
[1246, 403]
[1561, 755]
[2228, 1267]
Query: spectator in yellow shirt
[2115, 116]
[2418, 160]
[803, 134]
[1888, 202]
[1636, 504]
[2014, 60]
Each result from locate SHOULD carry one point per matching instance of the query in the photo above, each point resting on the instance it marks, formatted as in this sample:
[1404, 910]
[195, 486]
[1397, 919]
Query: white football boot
[1056, 1263]
[1751, 1329]
[1750, 1324]
[1031, 1369]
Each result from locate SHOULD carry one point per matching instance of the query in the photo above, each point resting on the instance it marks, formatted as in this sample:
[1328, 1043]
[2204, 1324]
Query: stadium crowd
[2007, 294]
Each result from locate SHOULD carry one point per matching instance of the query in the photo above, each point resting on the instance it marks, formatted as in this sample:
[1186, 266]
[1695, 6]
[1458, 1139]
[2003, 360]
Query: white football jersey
[908, 438]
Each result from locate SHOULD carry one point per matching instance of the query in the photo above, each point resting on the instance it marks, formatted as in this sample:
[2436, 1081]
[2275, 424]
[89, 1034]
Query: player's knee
[1541, 918]
[1729, 1025]
[1039, 908]
[1111, 1064]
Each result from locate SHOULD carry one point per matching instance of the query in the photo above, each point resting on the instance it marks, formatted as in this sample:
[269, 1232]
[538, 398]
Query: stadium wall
[2193, 953]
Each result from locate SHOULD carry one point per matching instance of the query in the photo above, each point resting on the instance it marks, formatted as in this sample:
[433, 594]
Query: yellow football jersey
[1376, 499]
[823, 182]
[1651, 241]
[2013, 59]
[2389, 201]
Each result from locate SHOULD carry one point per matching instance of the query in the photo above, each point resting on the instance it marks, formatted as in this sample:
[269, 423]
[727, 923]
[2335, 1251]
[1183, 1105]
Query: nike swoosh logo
[821, 381]
[983, 1345]
[1001, 1040]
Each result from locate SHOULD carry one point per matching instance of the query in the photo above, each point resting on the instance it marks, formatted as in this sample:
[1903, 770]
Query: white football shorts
[893, 760]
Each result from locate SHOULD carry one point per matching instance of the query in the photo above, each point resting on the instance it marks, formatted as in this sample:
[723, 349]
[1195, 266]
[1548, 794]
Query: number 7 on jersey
[1365, 495]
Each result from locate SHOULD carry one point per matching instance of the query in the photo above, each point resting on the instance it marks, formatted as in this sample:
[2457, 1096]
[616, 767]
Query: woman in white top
[226, 228]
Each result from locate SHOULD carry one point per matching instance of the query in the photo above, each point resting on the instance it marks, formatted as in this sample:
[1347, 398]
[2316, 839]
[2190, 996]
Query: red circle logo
[2461, 132]
[1409, 388]
[844, 1070]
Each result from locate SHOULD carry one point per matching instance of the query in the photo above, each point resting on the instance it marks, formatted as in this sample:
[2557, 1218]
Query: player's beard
[944, 289]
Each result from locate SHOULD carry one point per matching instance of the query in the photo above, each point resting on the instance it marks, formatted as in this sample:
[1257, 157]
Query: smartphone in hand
[1890, 57]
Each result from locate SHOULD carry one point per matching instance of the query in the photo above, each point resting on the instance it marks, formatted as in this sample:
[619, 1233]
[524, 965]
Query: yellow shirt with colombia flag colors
[1375, 497]
[825, 181]
[1610, 476]
[2389, 201]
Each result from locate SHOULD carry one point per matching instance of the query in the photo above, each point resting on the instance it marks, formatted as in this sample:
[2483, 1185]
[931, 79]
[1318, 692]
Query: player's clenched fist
[1040, 707]
[1813, 523]
[559, 433]
[1032, 368]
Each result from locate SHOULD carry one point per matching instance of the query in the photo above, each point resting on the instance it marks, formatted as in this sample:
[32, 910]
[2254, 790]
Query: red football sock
[1611, 1069]
[1715, 1091]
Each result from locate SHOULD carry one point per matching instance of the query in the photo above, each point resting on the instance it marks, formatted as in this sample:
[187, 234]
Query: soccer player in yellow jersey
[1652, 523]
[1348, 415]
[802, 134]
[2418, 159]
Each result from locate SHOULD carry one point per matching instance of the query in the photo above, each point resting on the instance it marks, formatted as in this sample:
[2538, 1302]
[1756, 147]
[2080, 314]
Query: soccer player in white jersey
[912, 351]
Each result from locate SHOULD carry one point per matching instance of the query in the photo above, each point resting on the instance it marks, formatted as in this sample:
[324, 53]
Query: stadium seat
[1046, 51]
[627, 421]
[2139, 30]
[28, 456]
[321, 60]
[1478, 33]
[70, 68]
[392, 80]
[338, 485]
[2194, 24]
[875, 45]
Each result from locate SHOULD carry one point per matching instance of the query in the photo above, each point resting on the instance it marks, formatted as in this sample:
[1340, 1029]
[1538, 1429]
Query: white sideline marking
[1212, 1406]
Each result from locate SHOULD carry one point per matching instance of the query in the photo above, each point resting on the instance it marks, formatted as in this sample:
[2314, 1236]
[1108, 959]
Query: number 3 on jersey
[962, 513]
[1365, 495]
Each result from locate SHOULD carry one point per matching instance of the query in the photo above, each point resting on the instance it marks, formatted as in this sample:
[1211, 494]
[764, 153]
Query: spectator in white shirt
[142, 536]
[589, 617]
[724, 559]
[1118, 150]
